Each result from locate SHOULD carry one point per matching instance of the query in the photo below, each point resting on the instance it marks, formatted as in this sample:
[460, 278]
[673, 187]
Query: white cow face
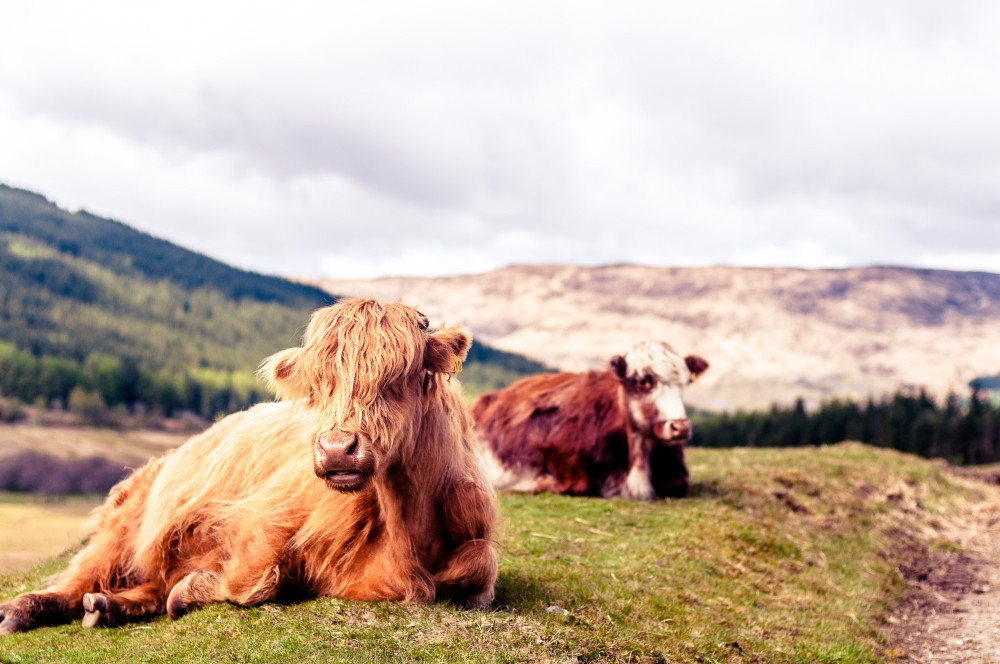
[654, 376]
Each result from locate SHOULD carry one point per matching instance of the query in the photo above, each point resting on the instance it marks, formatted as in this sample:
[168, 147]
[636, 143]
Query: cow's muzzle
[676, 432]
[343, 460]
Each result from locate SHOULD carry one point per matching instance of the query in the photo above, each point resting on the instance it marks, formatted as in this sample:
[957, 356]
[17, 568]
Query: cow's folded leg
[251, 583]
[32, 610]
[248, 588]
[193, 591]
[111, 609]
[469, 574]
[13, 618]
[546, 484]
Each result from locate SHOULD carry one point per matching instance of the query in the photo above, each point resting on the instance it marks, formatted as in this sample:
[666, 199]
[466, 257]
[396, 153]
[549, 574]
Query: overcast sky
[361, 139]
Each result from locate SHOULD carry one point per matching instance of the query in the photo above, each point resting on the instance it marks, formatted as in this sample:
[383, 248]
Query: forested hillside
[96, 314]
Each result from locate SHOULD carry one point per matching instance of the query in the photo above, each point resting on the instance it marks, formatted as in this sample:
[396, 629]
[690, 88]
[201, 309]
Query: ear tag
[456, 366]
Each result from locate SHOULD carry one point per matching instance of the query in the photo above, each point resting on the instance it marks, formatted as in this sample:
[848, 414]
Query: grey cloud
[665, 132]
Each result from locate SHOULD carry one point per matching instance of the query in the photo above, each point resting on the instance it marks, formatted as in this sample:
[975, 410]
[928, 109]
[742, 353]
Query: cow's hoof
[96, 610]
[482, 601]
[12, 619]
[176, 602]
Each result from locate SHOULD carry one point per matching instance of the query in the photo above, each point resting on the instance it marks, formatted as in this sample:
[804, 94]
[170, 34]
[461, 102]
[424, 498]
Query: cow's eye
[646, 383]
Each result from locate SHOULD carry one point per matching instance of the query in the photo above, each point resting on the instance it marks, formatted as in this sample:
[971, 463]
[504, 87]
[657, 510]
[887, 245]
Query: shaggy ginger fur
[238, 513]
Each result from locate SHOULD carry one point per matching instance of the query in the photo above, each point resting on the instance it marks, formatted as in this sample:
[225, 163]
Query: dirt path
[952, 611]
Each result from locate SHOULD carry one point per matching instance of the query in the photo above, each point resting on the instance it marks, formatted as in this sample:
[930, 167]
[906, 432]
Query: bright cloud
[312, 138]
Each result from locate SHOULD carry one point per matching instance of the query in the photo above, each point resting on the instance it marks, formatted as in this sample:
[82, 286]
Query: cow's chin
[345, 481]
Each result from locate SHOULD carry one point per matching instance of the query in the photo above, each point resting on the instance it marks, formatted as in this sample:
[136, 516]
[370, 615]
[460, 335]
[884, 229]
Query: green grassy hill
[92, 303]
[780, 555]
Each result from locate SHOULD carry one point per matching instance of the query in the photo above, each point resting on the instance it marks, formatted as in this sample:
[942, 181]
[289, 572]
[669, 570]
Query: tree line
[962, 431]
[103, 382]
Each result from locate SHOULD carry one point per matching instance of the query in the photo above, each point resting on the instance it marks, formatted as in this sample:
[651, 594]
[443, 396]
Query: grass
[778, 556]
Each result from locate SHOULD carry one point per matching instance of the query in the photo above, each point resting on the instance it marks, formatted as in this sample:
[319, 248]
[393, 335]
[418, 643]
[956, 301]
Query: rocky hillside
[770, 334]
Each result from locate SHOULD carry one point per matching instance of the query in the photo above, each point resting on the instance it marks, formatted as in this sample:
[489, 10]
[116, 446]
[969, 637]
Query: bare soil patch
[951, 611]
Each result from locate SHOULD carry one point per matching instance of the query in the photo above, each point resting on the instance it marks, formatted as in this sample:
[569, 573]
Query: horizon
[301, 277]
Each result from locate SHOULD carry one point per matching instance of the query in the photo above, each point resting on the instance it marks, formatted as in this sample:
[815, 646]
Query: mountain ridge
[772, 335]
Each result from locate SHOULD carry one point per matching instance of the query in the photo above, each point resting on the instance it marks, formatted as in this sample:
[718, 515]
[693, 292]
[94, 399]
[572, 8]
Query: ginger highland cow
[364, 482]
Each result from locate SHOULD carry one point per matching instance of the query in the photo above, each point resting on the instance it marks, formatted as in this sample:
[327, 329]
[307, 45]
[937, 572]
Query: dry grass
[32, 532]
[68, 442]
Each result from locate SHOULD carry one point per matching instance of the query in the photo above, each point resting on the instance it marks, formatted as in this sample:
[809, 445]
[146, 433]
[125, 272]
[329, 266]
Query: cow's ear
[696, 365]
[446, 349]
[281, 371]
[618, 367]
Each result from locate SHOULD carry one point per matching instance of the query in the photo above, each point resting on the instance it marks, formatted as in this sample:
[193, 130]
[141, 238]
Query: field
[783, 555]
[32, 532]
[130, 447]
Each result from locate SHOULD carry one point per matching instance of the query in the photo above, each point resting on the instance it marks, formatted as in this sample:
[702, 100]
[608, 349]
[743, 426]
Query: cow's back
[569, 427]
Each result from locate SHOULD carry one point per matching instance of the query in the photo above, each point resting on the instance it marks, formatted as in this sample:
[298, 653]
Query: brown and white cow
[618, 432]
[365, 483]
